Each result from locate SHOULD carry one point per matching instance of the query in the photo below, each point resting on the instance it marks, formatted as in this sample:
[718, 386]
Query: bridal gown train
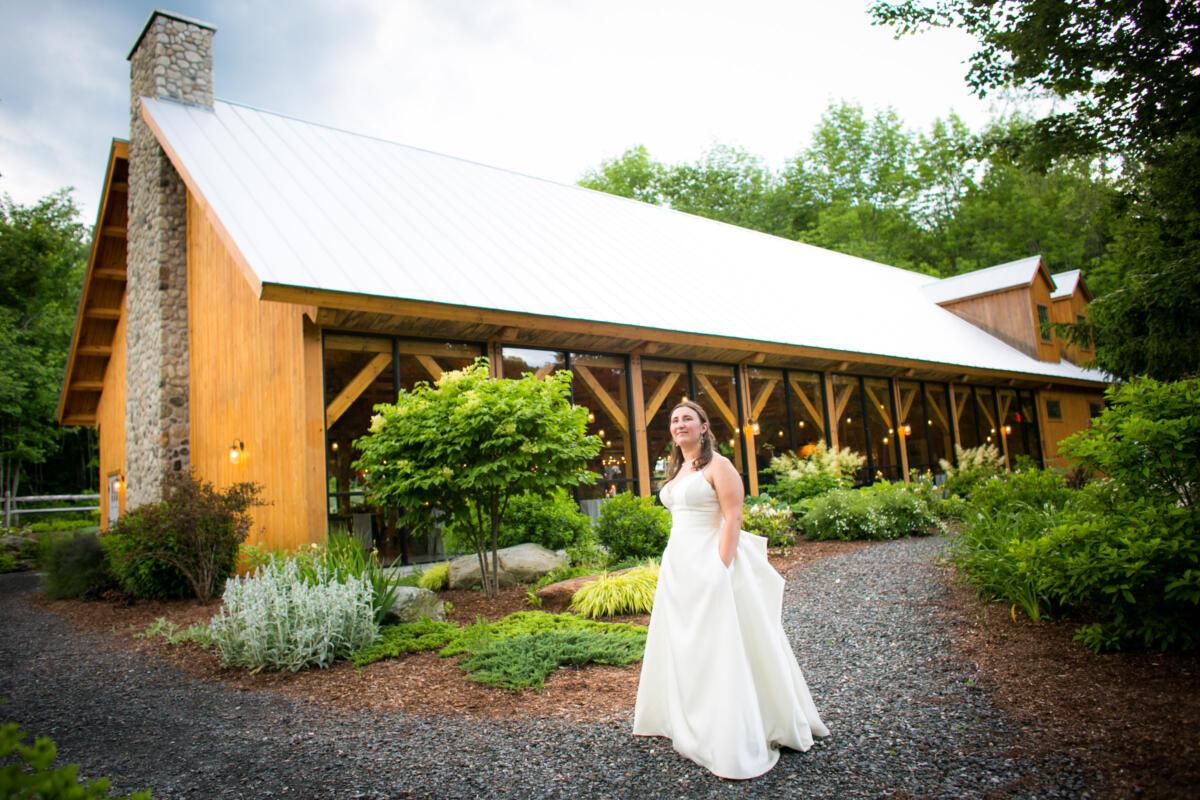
[719, 677]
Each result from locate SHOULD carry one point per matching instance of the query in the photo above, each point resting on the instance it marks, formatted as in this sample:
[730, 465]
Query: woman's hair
[707, 442]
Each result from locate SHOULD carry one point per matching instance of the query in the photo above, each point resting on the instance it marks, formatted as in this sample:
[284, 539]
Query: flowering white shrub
[822, 470]
[274, 619]
[770, 518]
[976, 465]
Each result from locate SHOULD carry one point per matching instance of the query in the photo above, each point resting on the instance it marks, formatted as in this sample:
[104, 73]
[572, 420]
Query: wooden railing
[11, 511]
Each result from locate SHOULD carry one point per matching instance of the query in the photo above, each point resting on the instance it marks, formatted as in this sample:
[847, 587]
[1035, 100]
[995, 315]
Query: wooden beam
[832, 433]
[763, 396]
[906, 405]
[840, 405]
[750, 454]
[109, 274]
[115, 231]
[987, 412]
[95, 350]
[901, 437]
[87, 386]
[956, 410]
[102, 313]
[660, 394]
[119, 186]
[937, 412]
[818, 417]
[640, 447]
[884, 411]
[431, 366]
[610, 406]
[354, 389]
[722, 408]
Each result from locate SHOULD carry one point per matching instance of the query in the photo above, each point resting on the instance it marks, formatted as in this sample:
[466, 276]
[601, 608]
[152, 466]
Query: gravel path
[906, 716]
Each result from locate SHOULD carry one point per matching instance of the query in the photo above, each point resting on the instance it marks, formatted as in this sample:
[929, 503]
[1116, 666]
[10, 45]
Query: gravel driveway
[906, 716]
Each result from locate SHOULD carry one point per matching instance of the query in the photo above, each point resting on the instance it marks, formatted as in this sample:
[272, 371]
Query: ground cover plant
[880, 511]
[516, 652]
[1121, 555]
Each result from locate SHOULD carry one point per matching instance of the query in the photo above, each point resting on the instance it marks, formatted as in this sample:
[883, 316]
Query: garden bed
[1135, 717]
[419, 683]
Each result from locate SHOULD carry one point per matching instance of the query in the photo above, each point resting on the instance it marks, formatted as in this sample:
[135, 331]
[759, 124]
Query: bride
[719, 677]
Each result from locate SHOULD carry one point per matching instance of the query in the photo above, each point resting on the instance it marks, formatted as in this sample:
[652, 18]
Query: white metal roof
[984, 281]
[312, 206]
[1064, 283]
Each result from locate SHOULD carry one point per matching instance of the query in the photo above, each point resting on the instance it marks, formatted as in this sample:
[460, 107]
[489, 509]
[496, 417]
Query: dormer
[1070, 300]
[1010, 301]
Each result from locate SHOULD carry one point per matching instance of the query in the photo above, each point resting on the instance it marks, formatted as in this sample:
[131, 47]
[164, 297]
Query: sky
[545, 87]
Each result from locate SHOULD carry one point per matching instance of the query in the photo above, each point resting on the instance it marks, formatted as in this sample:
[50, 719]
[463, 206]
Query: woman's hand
[728, 485]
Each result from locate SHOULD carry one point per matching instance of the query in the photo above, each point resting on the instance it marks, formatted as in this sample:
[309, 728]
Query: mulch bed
[420, 683]
[1134, 717]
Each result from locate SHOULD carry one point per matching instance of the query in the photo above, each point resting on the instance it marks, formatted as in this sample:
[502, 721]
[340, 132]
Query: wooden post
[315, 468]
[830, 411]
[637, 408]
[953, 398]
[901, 437]
[743, 375]
[495, 357]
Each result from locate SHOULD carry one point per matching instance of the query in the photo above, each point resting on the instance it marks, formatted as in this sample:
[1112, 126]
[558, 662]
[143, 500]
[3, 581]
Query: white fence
[11, 511]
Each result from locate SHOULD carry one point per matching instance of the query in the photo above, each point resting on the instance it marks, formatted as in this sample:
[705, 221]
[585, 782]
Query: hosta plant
[275, 620]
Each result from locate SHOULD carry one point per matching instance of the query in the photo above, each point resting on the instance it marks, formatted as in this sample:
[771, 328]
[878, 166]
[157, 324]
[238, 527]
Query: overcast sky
[545, 87]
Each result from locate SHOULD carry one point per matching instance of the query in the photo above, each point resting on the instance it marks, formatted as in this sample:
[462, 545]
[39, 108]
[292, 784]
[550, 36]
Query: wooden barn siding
[1040, 295]
[110, 421]
[255, 376]
[1005, 315]
[1076, 415]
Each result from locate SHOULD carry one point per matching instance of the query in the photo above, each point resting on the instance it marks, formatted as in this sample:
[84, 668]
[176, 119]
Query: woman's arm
[728, 484]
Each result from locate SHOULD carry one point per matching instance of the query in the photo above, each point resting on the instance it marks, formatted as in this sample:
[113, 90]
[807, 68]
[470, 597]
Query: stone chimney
[172, 58]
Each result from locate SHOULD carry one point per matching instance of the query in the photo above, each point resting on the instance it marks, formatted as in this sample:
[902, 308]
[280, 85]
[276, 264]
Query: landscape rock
[521, 563]
[557, 596]
[413, 603]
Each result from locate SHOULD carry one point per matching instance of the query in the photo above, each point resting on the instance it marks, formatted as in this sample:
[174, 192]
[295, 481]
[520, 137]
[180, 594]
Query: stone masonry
[172, 59]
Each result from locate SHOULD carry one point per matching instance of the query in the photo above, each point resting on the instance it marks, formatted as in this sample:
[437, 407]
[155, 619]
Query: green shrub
[191, 537]
[552, 520]
[61, 525]
[171, 633]
[8, 562]
[1029, 488]
[770, 518]
[27, 772]
[75, 565]
[277, 619]
[633, 527]
[435, 578]
[976, 466]
[880, 511]
[986, 554]
[630, 592]
[799, 478]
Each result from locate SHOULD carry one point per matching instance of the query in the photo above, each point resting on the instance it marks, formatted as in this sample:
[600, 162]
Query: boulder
[413, 603]
[522, 563]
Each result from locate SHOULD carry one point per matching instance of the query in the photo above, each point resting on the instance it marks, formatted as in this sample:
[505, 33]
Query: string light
[591, 417]
[334, 447]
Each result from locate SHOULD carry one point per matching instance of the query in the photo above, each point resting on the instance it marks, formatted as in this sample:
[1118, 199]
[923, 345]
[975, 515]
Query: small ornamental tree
[468, 444]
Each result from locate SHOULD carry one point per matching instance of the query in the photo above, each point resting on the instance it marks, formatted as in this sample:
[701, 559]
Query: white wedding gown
[719, 677]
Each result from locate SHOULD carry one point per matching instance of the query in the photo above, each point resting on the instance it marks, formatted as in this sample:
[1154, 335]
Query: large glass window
[806, 402]
[361, 372]
[601, 384]
[664, 383]
[912, 429]
[519, 360]
[769, 417]
[985, 406]
[1029, 425]
[884, 453]
[851, 427]
[968, 417]
[716, 392]
[937, 424]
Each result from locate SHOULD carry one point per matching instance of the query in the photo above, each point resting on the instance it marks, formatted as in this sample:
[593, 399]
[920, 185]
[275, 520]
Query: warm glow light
[801, 423]
[608, 442]
[600, 433]
[755, 428]
[907, 429]
[117, 485]
[731, 442]
[891, 430]
[591, 417]
[885, 440]
[781, 432]
[333, 447]
[847, 420]
[1008, 429]
[237, 451]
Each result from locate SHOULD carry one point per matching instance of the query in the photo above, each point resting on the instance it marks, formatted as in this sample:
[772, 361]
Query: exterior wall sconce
[237, 451]
[119, 484]
[752, 428]
[907, 429]
[1007, 429]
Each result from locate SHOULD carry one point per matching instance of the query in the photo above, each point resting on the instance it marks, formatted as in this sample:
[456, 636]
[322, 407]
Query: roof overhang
[97, 314]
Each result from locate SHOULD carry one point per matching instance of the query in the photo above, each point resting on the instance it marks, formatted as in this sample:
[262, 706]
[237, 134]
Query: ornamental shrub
[552, 520]
[343, 557]
[186, 544]
[435, 578]
[629, 592]
[770, 518]
[1029, 488]
[823, 470]
[275, 619]
[28, 771]
[880, 511]
[633, 527]
[976, 466]
[75, 565]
